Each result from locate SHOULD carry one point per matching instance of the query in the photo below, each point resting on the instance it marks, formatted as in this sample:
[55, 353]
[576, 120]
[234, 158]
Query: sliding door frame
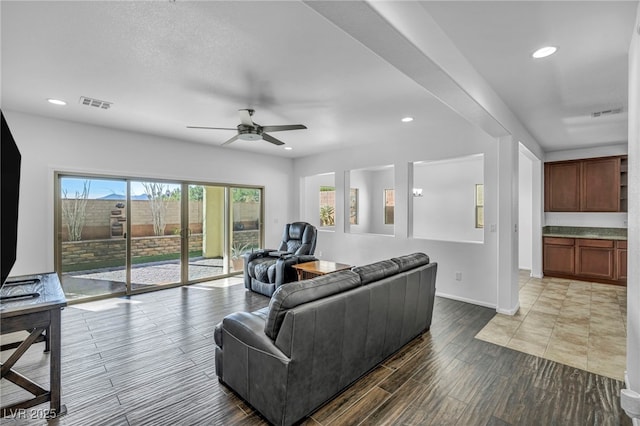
[184, 228]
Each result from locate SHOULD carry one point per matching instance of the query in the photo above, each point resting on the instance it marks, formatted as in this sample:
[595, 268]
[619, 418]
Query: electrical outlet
[458, 276]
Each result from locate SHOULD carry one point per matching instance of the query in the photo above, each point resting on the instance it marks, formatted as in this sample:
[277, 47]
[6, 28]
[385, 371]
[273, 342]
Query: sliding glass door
[245, 224]
[91, 236]
[155, 234]
[206, 231]
[122, 236]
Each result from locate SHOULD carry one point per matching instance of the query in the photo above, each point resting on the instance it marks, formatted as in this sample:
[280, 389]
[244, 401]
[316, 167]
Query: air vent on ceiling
[95, 102]
[606, 112]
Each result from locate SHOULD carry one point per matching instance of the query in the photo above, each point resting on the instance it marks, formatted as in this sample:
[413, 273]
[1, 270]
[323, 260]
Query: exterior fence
[113, 251]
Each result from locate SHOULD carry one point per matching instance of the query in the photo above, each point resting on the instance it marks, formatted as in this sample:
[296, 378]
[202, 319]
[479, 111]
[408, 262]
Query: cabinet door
[621, 261]
[600, 185]
[559, 256]
[562, 186]
[595, 258]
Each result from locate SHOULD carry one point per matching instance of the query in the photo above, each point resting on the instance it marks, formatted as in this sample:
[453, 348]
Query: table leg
[54, 337]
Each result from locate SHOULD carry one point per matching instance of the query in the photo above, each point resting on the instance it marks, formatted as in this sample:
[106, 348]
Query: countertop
[585, 232]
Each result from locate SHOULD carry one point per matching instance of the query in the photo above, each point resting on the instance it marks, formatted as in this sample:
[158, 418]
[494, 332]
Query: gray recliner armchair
[267, 269]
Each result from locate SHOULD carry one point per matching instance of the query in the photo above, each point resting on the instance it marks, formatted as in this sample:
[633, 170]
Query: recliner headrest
[298, 238]
[296, 230]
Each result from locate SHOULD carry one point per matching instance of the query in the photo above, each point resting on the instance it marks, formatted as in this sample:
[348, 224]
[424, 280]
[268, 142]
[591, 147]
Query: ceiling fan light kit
[250, 131]
[543, 52]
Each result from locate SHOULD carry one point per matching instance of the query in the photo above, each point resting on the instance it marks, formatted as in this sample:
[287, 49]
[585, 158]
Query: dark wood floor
[148, 360]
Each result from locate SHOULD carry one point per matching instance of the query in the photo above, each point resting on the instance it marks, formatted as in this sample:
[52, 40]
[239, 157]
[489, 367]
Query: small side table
[38, 315]
[310, 270]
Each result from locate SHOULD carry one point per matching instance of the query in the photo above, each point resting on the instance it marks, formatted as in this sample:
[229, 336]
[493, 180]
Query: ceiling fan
[250, 131]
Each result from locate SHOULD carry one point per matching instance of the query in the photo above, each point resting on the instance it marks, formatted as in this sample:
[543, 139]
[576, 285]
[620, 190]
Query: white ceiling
[166, 65]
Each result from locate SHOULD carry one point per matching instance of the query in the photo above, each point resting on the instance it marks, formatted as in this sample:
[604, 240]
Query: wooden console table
[38, 315]
[310, 270]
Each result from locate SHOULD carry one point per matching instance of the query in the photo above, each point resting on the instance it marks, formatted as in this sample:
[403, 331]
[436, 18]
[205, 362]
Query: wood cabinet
[600, 185]
[586, 259]
[594, 258]
[559, 255]
[562, 186]
[590, 185]
[621, 261]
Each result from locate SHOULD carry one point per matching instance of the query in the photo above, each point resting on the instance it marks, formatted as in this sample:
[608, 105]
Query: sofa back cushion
[376, 271]
[411, 261]
[290, 295]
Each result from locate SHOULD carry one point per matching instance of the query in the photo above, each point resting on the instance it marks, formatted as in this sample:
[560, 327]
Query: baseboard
[464, 299]
[509, 311]
[635, 421]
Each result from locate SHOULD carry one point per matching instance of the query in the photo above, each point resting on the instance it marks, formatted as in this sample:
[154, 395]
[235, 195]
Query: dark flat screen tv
[10, 174]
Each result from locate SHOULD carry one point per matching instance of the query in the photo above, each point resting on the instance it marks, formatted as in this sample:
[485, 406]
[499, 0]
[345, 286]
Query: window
[479, 205]
[327, 206]
[389, 205]
[353, 206]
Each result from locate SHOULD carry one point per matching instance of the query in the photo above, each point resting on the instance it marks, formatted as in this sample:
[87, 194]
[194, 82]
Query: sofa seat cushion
[263, 269]
[290, 295]
[376, 271]
[411, 261]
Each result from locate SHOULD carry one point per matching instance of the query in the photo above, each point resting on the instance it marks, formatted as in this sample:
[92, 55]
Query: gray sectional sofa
[318, 336]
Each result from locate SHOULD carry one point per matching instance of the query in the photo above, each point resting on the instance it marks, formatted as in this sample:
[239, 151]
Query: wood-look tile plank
[351, 395]
[152, 363]
[396, 405]
[362, 408]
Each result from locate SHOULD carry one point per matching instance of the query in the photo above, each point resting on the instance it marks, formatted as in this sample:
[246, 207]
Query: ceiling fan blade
[245, 117]
[271, 139]
[213, 128]
[283, 127]
[233, 139]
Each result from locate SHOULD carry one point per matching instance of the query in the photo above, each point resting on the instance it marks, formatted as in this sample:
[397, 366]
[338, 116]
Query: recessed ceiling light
[56, 101]
[288, 148]
[543, 52]
[407, 119]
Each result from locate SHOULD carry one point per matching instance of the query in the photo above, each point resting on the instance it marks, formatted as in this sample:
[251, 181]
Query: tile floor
[580, 324]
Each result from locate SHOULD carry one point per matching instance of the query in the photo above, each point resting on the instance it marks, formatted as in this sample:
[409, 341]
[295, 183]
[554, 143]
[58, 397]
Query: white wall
[577, 154]
[477, 262]
[525, 212]
[633, 283]
[371, 184]
[49, 145]
[446, 210]
[361, 179]
[381, 180]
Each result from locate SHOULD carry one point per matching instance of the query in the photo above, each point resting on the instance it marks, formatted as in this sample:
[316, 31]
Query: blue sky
[103, 187]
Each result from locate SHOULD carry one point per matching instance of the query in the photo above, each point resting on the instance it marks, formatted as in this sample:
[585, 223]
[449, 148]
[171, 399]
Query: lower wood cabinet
[621, 261]
[595, 258]
[559, 256]
[586, 259]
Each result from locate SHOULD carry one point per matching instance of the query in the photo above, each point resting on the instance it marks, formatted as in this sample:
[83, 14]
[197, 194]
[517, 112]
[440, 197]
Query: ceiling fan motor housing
[249, 133]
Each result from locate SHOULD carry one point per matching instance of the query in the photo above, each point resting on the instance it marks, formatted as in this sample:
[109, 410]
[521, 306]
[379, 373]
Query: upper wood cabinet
[590, 185]
[562, 186]
[600, 180]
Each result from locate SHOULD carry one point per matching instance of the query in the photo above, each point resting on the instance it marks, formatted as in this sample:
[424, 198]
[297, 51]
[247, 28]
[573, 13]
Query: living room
[128, 145]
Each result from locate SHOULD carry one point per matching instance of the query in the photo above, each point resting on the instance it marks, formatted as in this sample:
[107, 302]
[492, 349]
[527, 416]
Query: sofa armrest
[247, 328]
[248, 257]
[251, 364]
